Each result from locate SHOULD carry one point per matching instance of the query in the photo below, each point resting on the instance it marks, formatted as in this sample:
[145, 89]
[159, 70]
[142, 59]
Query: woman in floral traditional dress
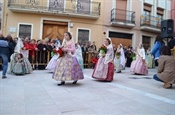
[138, 66]
[68, 68]
[104, 69]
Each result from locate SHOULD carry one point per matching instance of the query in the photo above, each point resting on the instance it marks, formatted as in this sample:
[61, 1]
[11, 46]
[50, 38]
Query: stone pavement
[38, 94]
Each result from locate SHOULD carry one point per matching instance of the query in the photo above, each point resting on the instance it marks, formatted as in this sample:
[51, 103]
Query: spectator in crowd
[94, 47]
[129, 53]
[12, 45]
[4, 54]
[32, 50]
[171, 43]
[26, 42]
[166, 68]
[156, 49]
[42, 54]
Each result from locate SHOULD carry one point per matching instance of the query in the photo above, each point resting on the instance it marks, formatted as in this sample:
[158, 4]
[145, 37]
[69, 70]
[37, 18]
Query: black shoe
[62, 83]
[74, 82]
[119, 72]
[4, 77]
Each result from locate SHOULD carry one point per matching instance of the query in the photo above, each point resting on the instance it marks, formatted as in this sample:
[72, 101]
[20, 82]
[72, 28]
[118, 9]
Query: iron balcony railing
[90, 8]
[150, 21]
[118, 15]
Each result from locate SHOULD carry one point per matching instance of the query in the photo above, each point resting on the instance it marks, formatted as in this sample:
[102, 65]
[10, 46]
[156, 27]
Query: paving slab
[128, 94]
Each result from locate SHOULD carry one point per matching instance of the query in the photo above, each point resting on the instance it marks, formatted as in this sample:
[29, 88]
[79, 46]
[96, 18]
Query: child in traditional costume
[68, 68]
[54, 60]
[119, 59]
[19, 64]
[104, 69]
[139, 66]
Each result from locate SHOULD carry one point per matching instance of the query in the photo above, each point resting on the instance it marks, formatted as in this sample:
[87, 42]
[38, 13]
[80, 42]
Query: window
[83, 35]
[146, 40]
[25, 30]
[83, 6]
[160, 13]
[56, 5]
[147, 12]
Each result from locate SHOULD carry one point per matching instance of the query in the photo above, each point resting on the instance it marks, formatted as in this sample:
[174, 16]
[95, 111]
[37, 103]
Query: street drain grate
[139, 77]
[147, 77]
[134, 77]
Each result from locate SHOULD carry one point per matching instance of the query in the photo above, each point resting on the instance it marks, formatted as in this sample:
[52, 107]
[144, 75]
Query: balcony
[72, 8]
[150, 23]
[122, 18]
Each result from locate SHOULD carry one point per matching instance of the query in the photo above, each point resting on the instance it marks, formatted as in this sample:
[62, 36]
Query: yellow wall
[14, 18]
[96, 26]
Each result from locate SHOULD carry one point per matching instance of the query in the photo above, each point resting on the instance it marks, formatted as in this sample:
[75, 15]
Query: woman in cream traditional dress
[68, 68]
[139, 66]
[104, 69]
[119, 59]
[78, 55]
[150, 59]
[54, 60]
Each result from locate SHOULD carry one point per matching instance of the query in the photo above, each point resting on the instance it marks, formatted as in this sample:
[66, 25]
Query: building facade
[125, 21]
[173, 12]
[134, 21]
[1, 7]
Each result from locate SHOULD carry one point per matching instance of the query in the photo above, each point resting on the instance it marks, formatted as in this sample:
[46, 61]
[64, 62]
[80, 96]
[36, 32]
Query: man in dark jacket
[171, 43]
[4, 54]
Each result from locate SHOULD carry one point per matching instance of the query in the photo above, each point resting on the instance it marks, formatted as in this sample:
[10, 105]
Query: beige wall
[14, 18]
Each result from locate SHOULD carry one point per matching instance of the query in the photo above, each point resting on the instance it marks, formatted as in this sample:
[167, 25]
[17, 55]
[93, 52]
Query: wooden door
[125, 42]
[54, 29]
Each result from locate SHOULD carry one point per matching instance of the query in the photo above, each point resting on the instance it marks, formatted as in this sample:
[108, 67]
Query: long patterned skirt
[138, 66]
[104, 72]
[68, 69]
[150, 61]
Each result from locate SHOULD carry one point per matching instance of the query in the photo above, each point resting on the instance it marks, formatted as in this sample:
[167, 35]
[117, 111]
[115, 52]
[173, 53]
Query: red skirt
[110, 73]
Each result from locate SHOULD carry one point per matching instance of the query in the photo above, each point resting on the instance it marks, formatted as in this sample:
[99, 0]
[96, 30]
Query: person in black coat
[42, 54]
[12, 45]
[4, 54]
[171, 43]
[128, 54]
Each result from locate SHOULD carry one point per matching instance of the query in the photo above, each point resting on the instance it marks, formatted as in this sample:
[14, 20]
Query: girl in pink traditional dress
[68, 67]
[104, 69]
[138, 66]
